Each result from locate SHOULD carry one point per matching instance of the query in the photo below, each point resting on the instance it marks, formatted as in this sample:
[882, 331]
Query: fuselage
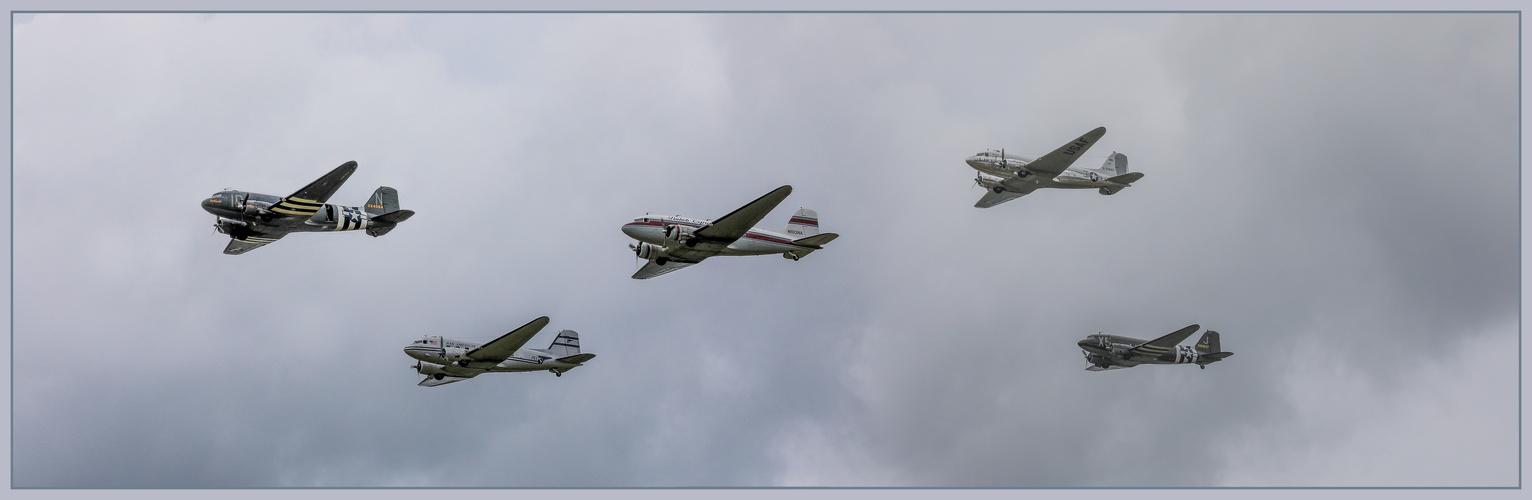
[651, 229]
[999, 168]
[447, 352]
[1103, 349]
[240, 213]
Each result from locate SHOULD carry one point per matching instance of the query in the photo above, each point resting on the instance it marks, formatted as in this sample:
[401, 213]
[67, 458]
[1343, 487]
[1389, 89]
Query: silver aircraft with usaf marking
[253, 220]
[673, 242]
[1007, 177]
[1110, 352]
[444, 361]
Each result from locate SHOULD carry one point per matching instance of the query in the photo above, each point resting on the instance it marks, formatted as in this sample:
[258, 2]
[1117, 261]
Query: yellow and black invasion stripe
[297, 206]
[1151, 350]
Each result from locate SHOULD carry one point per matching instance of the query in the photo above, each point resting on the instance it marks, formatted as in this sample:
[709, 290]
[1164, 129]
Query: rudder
[1116, 162]
[384, 200]
[1209, 343]
[567, 343]
[804, 223]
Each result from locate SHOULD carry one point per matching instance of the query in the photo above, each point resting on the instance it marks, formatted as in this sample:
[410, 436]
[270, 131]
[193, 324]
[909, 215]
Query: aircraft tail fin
[804, 223]
[1116, 163]
[1209, 343]
[384, 200]
[566, 344]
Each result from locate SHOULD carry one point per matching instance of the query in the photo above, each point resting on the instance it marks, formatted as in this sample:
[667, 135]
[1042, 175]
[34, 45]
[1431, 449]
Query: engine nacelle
[456, 353]
[257, 209]
[651, 252]
[676, 234]
[428, 369]
[989, 183]
[231, 227]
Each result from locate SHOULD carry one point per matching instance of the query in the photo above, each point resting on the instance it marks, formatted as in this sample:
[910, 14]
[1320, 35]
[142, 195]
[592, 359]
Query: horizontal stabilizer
[1127, 178]
[1215, 356]
[576, 359]
[816, 240]
[394, 217]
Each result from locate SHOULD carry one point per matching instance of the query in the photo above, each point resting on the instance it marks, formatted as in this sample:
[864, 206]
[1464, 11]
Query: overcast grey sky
[1336, 193]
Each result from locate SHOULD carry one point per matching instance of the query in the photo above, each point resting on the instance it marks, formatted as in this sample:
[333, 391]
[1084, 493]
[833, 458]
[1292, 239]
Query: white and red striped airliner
[671, 242]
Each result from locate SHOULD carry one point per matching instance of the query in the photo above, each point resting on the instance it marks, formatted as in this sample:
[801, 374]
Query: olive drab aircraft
[1007, 177]
[672, 242]
[1110, 352]
[444, 361]
[252, 219]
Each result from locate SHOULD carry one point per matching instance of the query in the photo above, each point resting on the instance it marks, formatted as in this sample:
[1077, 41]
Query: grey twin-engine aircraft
[1109, 352]
[252, 219]
[1008, 177]
[672, 242]
[444, 361]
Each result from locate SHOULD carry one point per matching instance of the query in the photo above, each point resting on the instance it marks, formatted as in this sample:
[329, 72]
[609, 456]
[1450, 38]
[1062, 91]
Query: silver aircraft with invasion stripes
[253, 220]
[1110, 352]
[672, 242]
[1007, 177]
[444, 361]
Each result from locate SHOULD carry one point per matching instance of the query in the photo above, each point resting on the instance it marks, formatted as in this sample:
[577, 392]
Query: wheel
[661, 261]
[438, 376]
[691, 243]
[997, 189]
[558, 374]
[1203, 366]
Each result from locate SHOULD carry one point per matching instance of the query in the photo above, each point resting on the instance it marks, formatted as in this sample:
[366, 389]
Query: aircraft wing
[432, 382]
[651, 269]
[252, 242]
[497, 350]
[1162, 345]
[312, 197]
[992, 198]
[1054, 163]
[731, 227]
[1094, 368]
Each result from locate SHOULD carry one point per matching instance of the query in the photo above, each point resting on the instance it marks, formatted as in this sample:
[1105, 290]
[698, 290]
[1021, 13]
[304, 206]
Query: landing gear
[1202, 366]
[557, 373]
[463, 363]
[997, 189]
[438, 376]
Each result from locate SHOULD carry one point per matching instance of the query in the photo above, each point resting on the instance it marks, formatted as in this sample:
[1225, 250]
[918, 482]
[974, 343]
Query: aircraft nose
[1085, 343]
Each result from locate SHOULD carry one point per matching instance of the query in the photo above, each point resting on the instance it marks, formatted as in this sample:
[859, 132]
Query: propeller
[637, 261]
